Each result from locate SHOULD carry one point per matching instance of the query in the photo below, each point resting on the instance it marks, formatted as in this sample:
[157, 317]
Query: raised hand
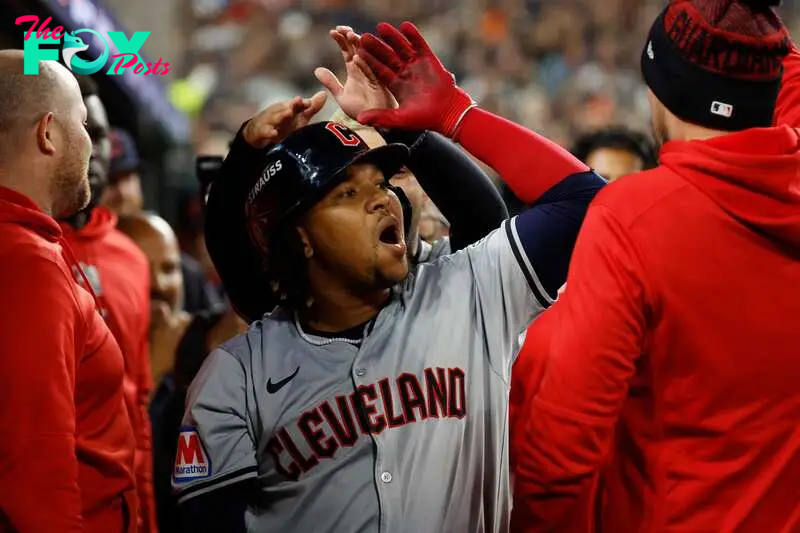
[166, 331]
[427, 92]
[361, 89]
[279, 120]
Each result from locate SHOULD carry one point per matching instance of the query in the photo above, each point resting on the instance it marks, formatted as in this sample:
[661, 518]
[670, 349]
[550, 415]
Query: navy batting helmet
[243, 211]
[303, 168]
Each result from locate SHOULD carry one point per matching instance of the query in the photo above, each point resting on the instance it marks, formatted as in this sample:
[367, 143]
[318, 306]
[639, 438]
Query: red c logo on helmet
[345, 136]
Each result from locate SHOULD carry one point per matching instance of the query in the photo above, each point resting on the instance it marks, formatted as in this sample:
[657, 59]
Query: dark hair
[619, 138]
[88, 85]
[288, 268]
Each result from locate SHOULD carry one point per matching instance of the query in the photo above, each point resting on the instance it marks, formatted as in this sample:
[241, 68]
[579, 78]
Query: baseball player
[372, 399]
[453, 181]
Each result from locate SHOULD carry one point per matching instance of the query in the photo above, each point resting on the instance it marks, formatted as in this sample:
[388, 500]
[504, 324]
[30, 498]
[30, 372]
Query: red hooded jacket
[677, 341]
[66, 442]
[119, 274]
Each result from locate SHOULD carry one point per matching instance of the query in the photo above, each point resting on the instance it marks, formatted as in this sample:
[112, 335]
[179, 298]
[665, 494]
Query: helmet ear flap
[405, 203]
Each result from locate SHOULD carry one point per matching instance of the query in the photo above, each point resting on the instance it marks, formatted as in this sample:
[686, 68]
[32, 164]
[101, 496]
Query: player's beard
[70, 186]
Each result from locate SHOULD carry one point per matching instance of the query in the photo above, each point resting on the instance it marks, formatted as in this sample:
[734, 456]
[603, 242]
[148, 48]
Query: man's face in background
[124, 193]
[98, 128]
[614, 163]
[154, 236]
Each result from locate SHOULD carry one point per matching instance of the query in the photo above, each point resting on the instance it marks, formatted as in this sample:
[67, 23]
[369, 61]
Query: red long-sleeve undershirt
[538, 163]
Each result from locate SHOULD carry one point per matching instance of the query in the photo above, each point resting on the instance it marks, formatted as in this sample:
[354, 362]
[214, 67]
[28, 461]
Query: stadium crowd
[562, 68]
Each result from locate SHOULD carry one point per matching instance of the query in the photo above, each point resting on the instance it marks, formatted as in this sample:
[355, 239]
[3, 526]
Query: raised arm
[430, 99]
[543, 174]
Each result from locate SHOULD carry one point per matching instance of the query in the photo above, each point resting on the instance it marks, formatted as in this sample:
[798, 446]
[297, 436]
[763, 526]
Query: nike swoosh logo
[272, 388]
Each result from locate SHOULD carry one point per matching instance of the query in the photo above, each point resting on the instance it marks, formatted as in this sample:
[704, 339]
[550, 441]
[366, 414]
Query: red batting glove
[426, 91]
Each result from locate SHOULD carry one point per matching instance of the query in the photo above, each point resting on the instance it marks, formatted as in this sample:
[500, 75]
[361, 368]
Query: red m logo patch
[191, 461]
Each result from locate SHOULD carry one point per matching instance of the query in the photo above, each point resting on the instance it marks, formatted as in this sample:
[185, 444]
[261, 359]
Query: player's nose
[380, 200]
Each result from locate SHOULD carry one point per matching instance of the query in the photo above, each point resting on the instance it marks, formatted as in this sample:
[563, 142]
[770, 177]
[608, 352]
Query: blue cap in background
[124, 156]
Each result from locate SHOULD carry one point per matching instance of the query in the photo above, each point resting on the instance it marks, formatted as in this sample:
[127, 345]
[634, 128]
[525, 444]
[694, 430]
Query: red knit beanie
[717, 63]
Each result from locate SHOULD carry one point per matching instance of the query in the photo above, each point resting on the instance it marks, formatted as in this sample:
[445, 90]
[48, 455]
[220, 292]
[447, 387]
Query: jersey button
[361, 372]
[386, 477]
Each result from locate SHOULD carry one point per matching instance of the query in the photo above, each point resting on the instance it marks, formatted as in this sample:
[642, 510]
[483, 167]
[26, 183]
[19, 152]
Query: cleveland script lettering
[369, 411]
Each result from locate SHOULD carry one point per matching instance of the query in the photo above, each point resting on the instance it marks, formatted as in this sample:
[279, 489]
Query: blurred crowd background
[560, 67]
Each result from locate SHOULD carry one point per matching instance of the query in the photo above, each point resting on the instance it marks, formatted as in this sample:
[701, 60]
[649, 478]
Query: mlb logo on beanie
[722, 109]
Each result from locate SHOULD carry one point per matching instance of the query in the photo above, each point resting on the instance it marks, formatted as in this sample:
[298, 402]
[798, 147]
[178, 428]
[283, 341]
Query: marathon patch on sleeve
[192, 461]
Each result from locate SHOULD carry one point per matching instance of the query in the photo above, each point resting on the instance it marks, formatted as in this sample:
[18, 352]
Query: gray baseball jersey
[402, 431]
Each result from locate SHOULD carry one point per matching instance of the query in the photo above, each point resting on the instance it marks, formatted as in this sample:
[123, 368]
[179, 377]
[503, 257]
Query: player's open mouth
[390, 234]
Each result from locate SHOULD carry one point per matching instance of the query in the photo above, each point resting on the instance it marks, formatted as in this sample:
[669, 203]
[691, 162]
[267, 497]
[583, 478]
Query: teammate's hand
[361, 90]
[428, 96]
[166, 331]
[279, 120]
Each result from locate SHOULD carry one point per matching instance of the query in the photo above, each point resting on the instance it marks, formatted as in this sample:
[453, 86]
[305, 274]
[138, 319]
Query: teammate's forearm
[242, 160]
[462, 191]
[241, 155]
[529, 163]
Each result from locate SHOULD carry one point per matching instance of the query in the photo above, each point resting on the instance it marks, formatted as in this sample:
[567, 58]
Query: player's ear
[308, 251]
[44, 134]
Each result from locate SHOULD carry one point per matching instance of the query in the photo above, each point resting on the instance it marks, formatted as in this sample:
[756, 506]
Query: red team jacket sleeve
[526, 377]
[537, 163]
[787, 110]
[598, 332]
[38, 467]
